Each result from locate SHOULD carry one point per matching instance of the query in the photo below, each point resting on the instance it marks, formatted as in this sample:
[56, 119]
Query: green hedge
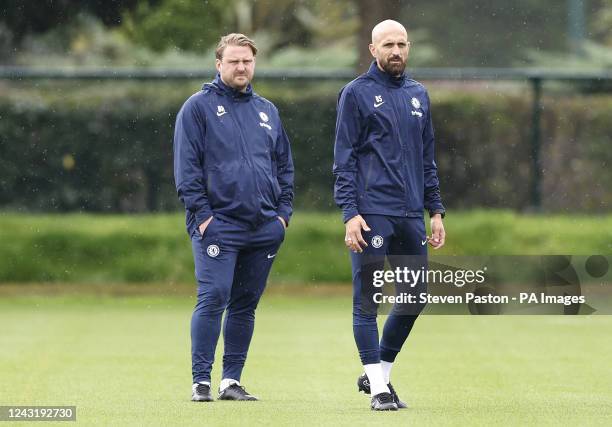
[108, 147]
[155, 248]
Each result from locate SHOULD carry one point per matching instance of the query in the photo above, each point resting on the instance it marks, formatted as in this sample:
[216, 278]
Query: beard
[238, 83]
[394, 68]
[243, 78]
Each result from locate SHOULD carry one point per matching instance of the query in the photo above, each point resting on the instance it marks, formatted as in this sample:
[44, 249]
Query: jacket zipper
[246, 150]
[403, 148]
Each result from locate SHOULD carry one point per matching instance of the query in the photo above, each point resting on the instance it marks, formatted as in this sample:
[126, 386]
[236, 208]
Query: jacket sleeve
[348, 127]
[284, 174]
[433, 201]
[188, 162]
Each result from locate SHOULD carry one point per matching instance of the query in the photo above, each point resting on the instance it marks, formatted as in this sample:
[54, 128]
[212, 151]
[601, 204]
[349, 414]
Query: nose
[396, 50]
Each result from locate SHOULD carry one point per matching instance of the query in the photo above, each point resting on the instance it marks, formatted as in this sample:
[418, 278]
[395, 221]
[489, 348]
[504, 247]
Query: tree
[22, 19]
[32, 17]
[603, 23]
[185, 24]
[370, 14]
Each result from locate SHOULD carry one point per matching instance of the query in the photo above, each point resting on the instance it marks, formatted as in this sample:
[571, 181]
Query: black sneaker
[363, 384]
[383, 402]
[201, 393]
[396, 399]
[235, 392]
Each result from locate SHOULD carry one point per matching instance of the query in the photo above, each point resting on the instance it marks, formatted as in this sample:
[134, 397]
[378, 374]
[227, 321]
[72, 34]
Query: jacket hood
[221, 88]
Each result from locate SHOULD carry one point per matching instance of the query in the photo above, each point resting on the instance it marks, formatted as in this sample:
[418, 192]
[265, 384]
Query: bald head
[390, 47]
[383, 28]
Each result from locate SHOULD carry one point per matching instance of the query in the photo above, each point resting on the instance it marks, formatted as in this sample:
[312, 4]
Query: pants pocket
[207, 231]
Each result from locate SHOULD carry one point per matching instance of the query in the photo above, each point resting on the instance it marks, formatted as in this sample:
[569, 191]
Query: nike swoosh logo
[424, 242]
[271, 256]
[220, 114]
[379, 104]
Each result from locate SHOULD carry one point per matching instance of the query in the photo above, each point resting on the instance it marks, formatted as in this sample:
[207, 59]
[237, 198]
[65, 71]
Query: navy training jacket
[384, 150]
[232, 158]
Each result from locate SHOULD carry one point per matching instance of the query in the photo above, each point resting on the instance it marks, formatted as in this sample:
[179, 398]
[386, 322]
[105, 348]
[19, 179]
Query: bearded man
[386, 177]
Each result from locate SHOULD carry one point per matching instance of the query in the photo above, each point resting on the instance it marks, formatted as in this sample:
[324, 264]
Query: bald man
[386, 177]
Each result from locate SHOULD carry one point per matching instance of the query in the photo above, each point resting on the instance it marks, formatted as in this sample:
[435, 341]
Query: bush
[108, 147]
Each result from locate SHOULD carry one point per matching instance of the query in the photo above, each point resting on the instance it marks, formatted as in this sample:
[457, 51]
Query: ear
[218, 64]
[372, 50]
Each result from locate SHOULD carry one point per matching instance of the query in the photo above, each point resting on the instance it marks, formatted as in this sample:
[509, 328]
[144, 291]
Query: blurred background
[89, 91]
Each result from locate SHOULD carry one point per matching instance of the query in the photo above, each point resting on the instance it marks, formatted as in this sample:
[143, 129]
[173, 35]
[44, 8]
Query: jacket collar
[384, 78]
[222, 89]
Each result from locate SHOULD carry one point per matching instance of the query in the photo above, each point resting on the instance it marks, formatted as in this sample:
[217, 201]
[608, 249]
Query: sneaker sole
[203, 399]
[238, 400]
[382, 408]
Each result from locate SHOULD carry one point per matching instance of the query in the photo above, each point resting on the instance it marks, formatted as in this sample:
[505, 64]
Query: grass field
[126, 361]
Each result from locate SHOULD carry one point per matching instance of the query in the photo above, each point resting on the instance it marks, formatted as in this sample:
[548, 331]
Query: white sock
[375, 376]
[386, 368]
[226, 382]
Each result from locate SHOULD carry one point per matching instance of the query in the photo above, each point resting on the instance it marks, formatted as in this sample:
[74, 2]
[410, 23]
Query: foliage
[155, 248]
[119, 135]
[184, 24]
[24, 18]
[593, 53]
[483, 33]
[86, 42]
[592, 56]
[460, 33]
[603, 22]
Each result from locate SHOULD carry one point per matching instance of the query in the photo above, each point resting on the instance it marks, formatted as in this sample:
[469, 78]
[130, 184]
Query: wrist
[349, 214]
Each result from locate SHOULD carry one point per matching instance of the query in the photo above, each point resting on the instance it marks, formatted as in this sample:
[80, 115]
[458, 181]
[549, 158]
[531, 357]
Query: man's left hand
[438, 235]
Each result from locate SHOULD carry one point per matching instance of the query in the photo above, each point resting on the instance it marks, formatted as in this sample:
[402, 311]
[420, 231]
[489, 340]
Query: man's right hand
[353, 239]
[203, 226]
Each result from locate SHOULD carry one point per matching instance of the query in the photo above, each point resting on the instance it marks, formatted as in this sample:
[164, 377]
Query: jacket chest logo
[378, 101]
[220, 110]
[416, 104]
[264, 120]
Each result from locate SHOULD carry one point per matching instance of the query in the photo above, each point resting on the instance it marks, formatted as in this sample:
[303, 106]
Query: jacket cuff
[285, 213]
[348, 214]
[442, 212]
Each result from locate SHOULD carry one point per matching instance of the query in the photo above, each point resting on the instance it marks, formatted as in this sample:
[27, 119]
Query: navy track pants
[232, 264]
[396, 239]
